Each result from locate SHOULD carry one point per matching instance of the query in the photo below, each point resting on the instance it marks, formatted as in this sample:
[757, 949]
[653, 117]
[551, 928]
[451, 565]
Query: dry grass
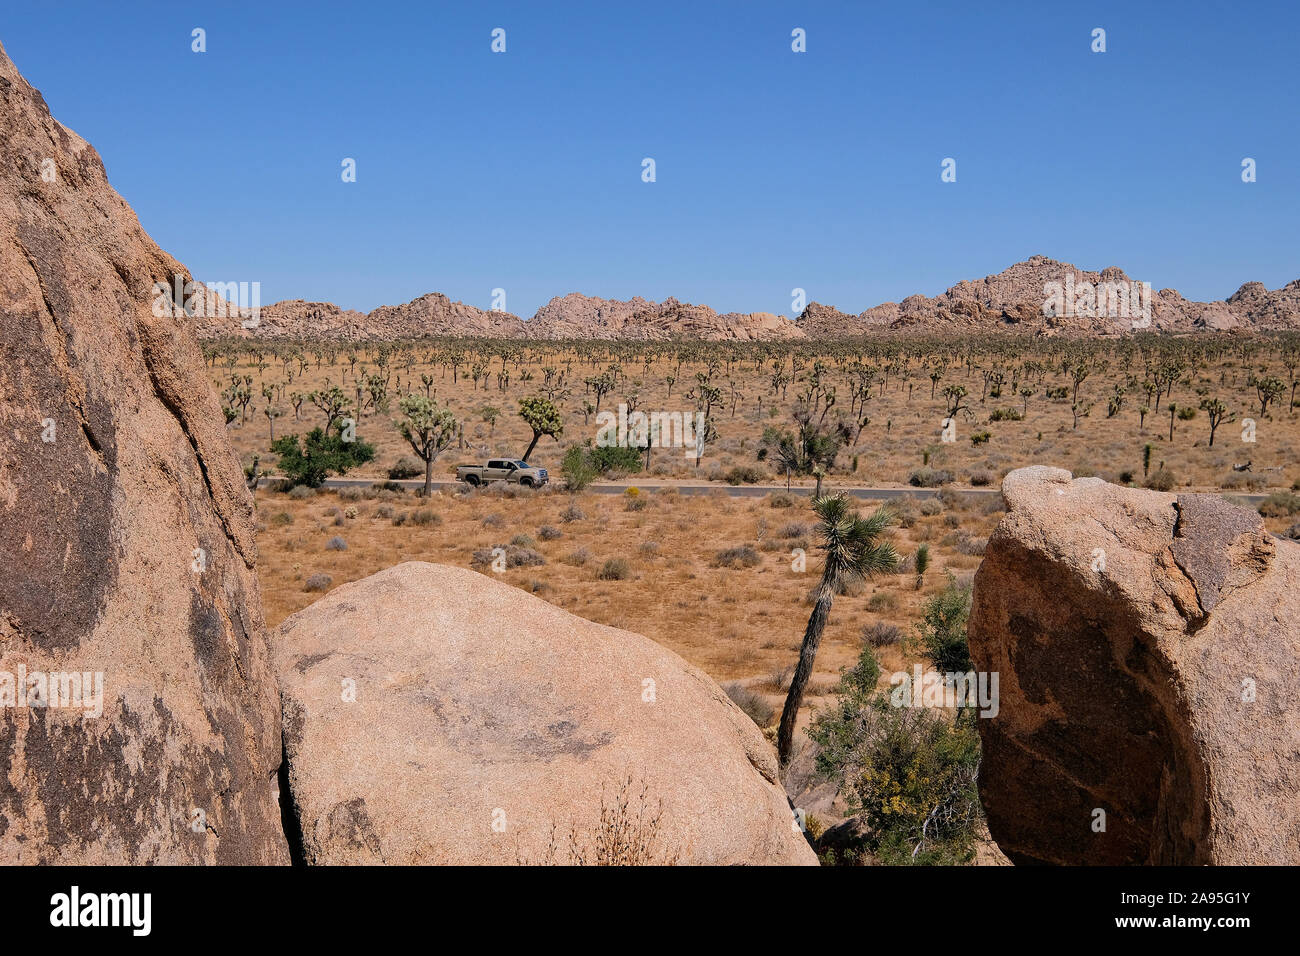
[738, 622]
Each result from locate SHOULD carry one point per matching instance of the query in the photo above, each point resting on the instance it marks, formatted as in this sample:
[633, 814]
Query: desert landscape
[1003, 575]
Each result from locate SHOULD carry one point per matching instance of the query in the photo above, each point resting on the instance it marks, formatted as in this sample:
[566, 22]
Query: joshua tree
[1268, 390]
[853, 551]
[922, 562]
[332, 402]
[1217, 412]
[429, 429]
[543, 418]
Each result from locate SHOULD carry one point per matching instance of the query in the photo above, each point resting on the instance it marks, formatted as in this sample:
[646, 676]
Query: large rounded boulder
[1148, 649]
[139, 721]
[434, 715]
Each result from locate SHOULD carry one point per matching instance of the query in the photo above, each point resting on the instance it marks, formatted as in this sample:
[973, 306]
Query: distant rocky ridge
[1091, 303]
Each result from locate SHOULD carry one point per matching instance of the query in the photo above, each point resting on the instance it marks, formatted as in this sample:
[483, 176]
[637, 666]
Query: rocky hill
[1039, 296]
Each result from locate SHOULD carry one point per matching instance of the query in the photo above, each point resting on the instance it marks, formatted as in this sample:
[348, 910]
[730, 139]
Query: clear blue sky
[819, 170]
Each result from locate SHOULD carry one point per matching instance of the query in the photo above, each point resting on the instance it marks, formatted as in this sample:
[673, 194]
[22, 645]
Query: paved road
[735, 491]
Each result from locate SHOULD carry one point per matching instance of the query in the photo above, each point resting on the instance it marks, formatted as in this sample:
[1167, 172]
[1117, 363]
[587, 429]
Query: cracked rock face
[1148, 647]
[433, 715]
[116, 481]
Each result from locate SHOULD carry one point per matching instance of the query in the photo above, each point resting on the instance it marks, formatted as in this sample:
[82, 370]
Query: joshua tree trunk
[532, 445]
[812, 638]
[428, 477]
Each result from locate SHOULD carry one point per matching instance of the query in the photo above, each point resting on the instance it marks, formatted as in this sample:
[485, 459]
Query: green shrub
[577, 468]
[607, 459]
[943, 629]
[909, 774]
[319, 456]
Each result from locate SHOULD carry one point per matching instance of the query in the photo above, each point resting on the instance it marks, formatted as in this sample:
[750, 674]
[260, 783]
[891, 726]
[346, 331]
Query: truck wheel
[526, 482]
[471, 480]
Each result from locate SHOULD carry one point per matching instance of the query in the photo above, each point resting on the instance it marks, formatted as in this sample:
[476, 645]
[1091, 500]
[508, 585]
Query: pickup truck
[502, 469]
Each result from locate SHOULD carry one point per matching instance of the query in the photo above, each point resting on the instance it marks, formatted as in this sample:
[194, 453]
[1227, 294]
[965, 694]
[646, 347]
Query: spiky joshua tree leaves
[853, 551]
[429, 429]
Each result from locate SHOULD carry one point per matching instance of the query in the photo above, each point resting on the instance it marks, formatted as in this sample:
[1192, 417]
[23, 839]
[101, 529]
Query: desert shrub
[629, 834]
[849, 587]
[1293, 532]
[384, 511]
[742, 556]
[614, 569]
[523, 541]
[649, 549]
[515, 557]
[795, 529]
[637, 502]
[908, 773]
[980, 438]
[493, 520]
[549, 533]
[754, 705]
[425, 516]
[406, 467]
[578, 557]
[391, 488]
[336, 544]
[399, 519]
[882, 601]
[614, 459]
[350, 494]
[882, 634]
[319, 456]
[781, 499]
[351, 511]
[1162, 480]
[779, 680]
[1005, 415]
[981, 479]
[1126, 477]
[572, 513]
[929, 477]
[744, 475]
[505, 489]
[318, 582]
[281, 519]
[1280, 504]
[970, 544]
[931, 507]
[1242, 481]
[942, 629]
[300, 492]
